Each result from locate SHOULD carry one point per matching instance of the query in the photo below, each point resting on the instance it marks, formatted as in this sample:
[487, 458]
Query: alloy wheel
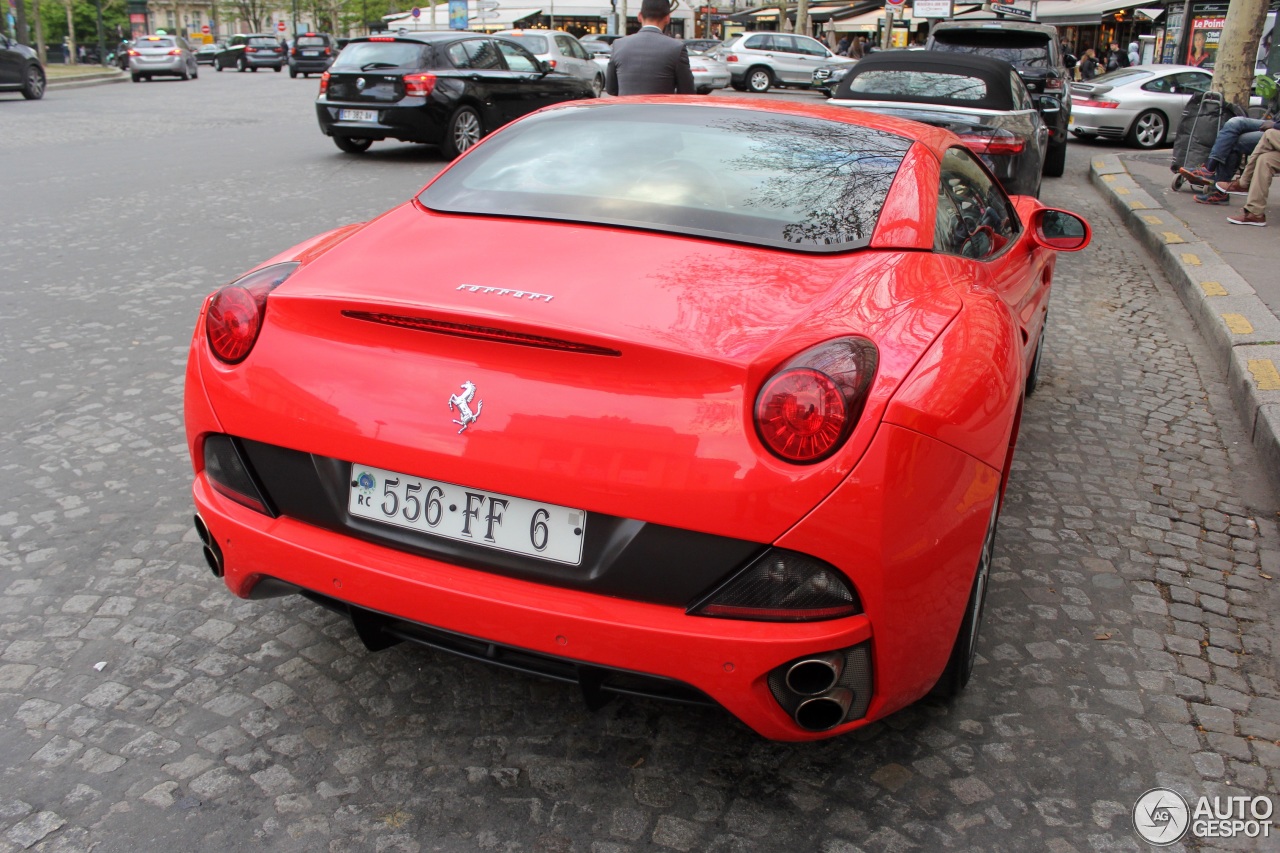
[466, 131]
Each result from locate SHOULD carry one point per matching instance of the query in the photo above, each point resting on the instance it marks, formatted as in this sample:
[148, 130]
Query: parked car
[251, 51]
[593, 41]
[206, 52]
[446, 89]
[827, 77]
[562, 52]
[20, 69]
[162, 56]
[760, 61]
[1036, 51]
[311, 53]
[709, 72]
[782, 502]
[981, 100]
[1142, 105]
[702, 45]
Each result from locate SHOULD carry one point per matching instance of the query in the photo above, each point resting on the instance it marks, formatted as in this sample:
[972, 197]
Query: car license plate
[357, 115]
[311, 53]
[463, 514]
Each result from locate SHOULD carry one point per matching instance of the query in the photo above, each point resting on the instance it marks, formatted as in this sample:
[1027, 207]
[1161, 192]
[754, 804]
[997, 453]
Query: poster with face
[1205, 34]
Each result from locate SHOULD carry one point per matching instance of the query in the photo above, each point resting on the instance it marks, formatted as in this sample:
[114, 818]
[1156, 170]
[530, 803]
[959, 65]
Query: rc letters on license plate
[463, 514]
[358, 115]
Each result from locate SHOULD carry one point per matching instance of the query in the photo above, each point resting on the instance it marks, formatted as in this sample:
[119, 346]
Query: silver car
[709, 72]
[1142, 105]
[562, 52]
[759, 61]
[162, 56]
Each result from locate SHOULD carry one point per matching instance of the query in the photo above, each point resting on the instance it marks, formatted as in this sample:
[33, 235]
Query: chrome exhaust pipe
[824, 712]
[815, 675]
[212, 553]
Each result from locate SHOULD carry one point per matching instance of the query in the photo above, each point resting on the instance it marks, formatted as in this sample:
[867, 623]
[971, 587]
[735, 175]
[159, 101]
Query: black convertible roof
[996, 74]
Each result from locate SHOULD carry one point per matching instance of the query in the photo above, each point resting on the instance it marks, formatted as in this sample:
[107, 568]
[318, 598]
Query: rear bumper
[174, 65]
[1108, 124]
[410, 120]
[913, 589]
[310, 65]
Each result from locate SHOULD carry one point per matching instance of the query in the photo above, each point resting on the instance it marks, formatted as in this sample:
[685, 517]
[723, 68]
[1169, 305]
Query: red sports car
[760, 465]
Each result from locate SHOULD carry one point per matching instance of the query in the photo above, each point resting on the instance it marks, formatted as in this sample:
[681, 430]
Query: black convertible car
[981, 100]
[447, 89]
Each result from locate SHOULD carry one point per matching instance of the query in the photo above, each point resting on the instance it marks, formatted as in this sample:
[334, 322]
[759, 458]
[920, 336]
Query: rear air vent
[480, 333]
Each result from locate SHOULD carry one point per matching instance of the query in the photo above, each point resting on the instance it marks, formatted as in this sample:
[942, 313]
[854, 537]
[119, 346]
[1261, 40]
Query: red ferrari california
[758, 466]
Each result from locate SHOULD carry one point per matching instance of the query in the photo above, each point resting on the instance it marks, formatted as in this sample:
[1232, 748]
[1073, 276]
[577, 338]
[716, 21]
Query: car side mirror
[544, 67]
[1046, 104]
[1060, 230]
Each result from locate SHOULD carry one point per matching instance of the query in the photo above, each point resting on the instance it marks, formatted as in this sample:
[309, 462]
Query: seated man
[1263, 165]
[1238, 135]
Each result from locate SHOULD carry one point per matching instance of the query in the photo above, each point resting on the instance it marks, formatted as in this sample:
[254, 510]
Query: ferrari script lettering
[504, 291]
[463, 404]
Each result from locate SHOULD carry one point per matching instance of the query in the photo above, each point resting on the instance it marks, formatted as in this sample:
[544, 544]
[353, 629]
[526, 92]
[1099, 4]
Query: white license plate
[311, 53]
[358, 115]
[463, 514]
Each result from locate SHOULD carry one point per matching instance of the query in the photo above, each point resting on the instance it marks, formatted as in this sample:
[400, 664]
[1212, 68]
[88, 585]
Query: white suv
[759, 61]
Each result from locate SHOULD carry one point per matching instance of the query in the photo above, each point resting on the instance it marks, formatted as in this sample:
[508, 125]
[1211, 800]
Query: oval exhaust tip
[822, 713]
[815, 675]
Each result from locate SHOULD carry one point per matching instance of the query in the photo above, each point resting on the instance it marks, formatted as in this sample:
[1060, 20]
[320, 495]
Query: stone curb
[88, 80]
[1242, 333]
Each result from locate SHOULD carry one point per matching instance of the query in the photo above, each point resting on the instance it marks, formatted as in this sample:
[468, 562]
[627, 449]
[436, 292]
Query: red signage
[205, 29]
[280, 26]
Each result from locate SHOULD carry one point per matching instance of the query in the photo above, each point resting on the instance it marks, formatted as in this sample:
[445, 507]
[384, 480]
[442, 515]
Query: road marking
[1108, 178]
[1098, 164]
[1170, 237]
[1153, 220]
[1122, 191]
[1187, 258]
[1213, 288]
[1265, 375]
[1137, 205]
[1238, 324]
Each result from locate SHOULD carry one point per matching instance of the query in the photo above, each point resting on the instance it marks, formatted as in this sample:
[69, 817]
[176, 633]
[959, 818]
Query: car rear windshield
[312, 41]
[763, 178]
[1021, 49]
[263, 41]
[533, 44]
[368, 55]
[900, 84]
[154, 42]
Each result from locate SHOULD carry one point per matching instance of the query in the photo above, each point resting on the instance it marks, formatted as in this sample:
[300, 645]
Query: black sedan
[981, 100]
[446, 89]
[20, 69]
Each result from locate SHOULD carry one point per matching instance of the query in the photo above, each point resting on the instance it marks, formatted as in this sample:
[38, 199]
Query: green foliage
[85, 16]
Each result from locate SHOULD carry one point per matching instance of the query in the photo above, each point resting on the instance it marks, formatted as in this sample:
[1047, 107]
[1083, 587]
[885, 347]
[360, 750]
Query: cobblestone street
[1130, 640]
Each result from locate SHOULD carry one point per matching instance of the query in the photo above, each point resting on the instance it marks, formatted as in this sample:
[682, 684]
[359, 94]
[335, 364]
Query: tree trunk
[1238, 50]
[35, 13]
[20, 22]
[71, 36]
[802, 17]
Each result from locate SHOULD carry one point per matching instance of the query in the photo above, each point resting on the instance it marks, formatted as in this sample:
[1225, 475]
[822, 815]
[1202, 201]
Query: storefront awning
[1153, 14]
[867, 22]
[504, 19]
[1079, 12]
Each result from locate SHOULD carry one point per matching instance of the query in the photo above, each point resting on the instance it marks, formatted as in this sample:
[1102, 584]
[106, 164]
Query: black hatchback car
[1036, 51]
[446, 89]
[981, 100]
[249, 52]
[311, 53]
[20, 69]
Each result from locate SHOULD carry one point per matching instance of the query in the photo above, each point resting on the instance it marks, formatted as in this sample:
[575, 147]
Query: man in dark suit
[649, 62]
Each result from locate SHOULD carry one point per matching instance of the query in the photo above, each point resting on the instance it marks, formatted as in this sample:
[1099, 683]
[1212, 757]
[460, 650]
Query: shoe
[1234, 187]
[1213, 198]
[1199, 175]
[1244, 217]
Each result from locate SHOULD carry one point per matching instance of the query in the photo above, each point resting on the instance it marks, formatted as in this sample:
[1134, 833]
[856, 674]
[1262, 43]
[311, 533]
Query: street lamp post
[102, 45]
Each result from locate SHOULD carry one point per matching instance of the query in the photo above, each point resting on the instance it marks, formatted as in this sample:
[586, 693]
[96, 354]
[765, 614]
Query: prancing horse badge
[463, 403]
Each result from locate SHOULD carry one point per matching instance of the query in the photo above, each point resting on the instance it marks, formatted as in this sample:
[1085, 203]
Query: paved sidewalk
[1225, 275]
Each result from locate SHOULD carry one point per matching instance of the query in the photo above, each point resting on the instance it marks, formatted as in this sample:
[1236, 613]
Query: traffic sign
[895, 4]
[205, 29]
[485, 5]
[417, 13]
[485, 14]
[1002, 9]
[280, 26]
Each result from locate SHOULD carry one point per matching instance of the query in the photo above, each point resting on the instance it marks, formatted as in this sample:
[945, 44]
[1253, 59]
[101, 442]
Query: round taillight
[234, 316]
[801, 415]
[232, 323]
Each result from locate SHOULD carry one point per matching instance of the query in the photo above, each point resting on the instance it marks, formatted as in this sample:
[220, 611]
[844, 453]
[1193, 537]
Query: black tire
[1033, 375]
[33, 83]
[240, 66]
[1149, 130]
[351, 144]
[217, 66]
[1055, 160]
[739, 87]
[293, 72]
[254, 69]
[1178, 181]
[137, 78]
[464, 130]
[760, 80]
[195, 73]
[278, 67]
[960, 665]
[185, 75]
[597, 86]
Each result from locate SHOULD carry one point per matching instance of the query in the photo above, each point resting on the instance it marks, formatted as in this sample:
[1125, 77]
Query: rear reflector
[324, 82]
[782, 586]
[480, 333]
[993, 144]
[229, 475]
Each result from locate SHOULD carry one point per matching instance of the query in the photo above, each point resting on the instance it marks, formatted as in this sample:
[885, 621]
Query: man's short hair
[655, 9]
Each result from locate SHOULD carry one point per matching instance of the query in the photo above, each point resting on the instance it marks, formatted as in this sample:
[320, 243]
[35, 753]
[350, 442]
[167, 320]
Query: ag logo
[360, 83]
[1161, 816]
